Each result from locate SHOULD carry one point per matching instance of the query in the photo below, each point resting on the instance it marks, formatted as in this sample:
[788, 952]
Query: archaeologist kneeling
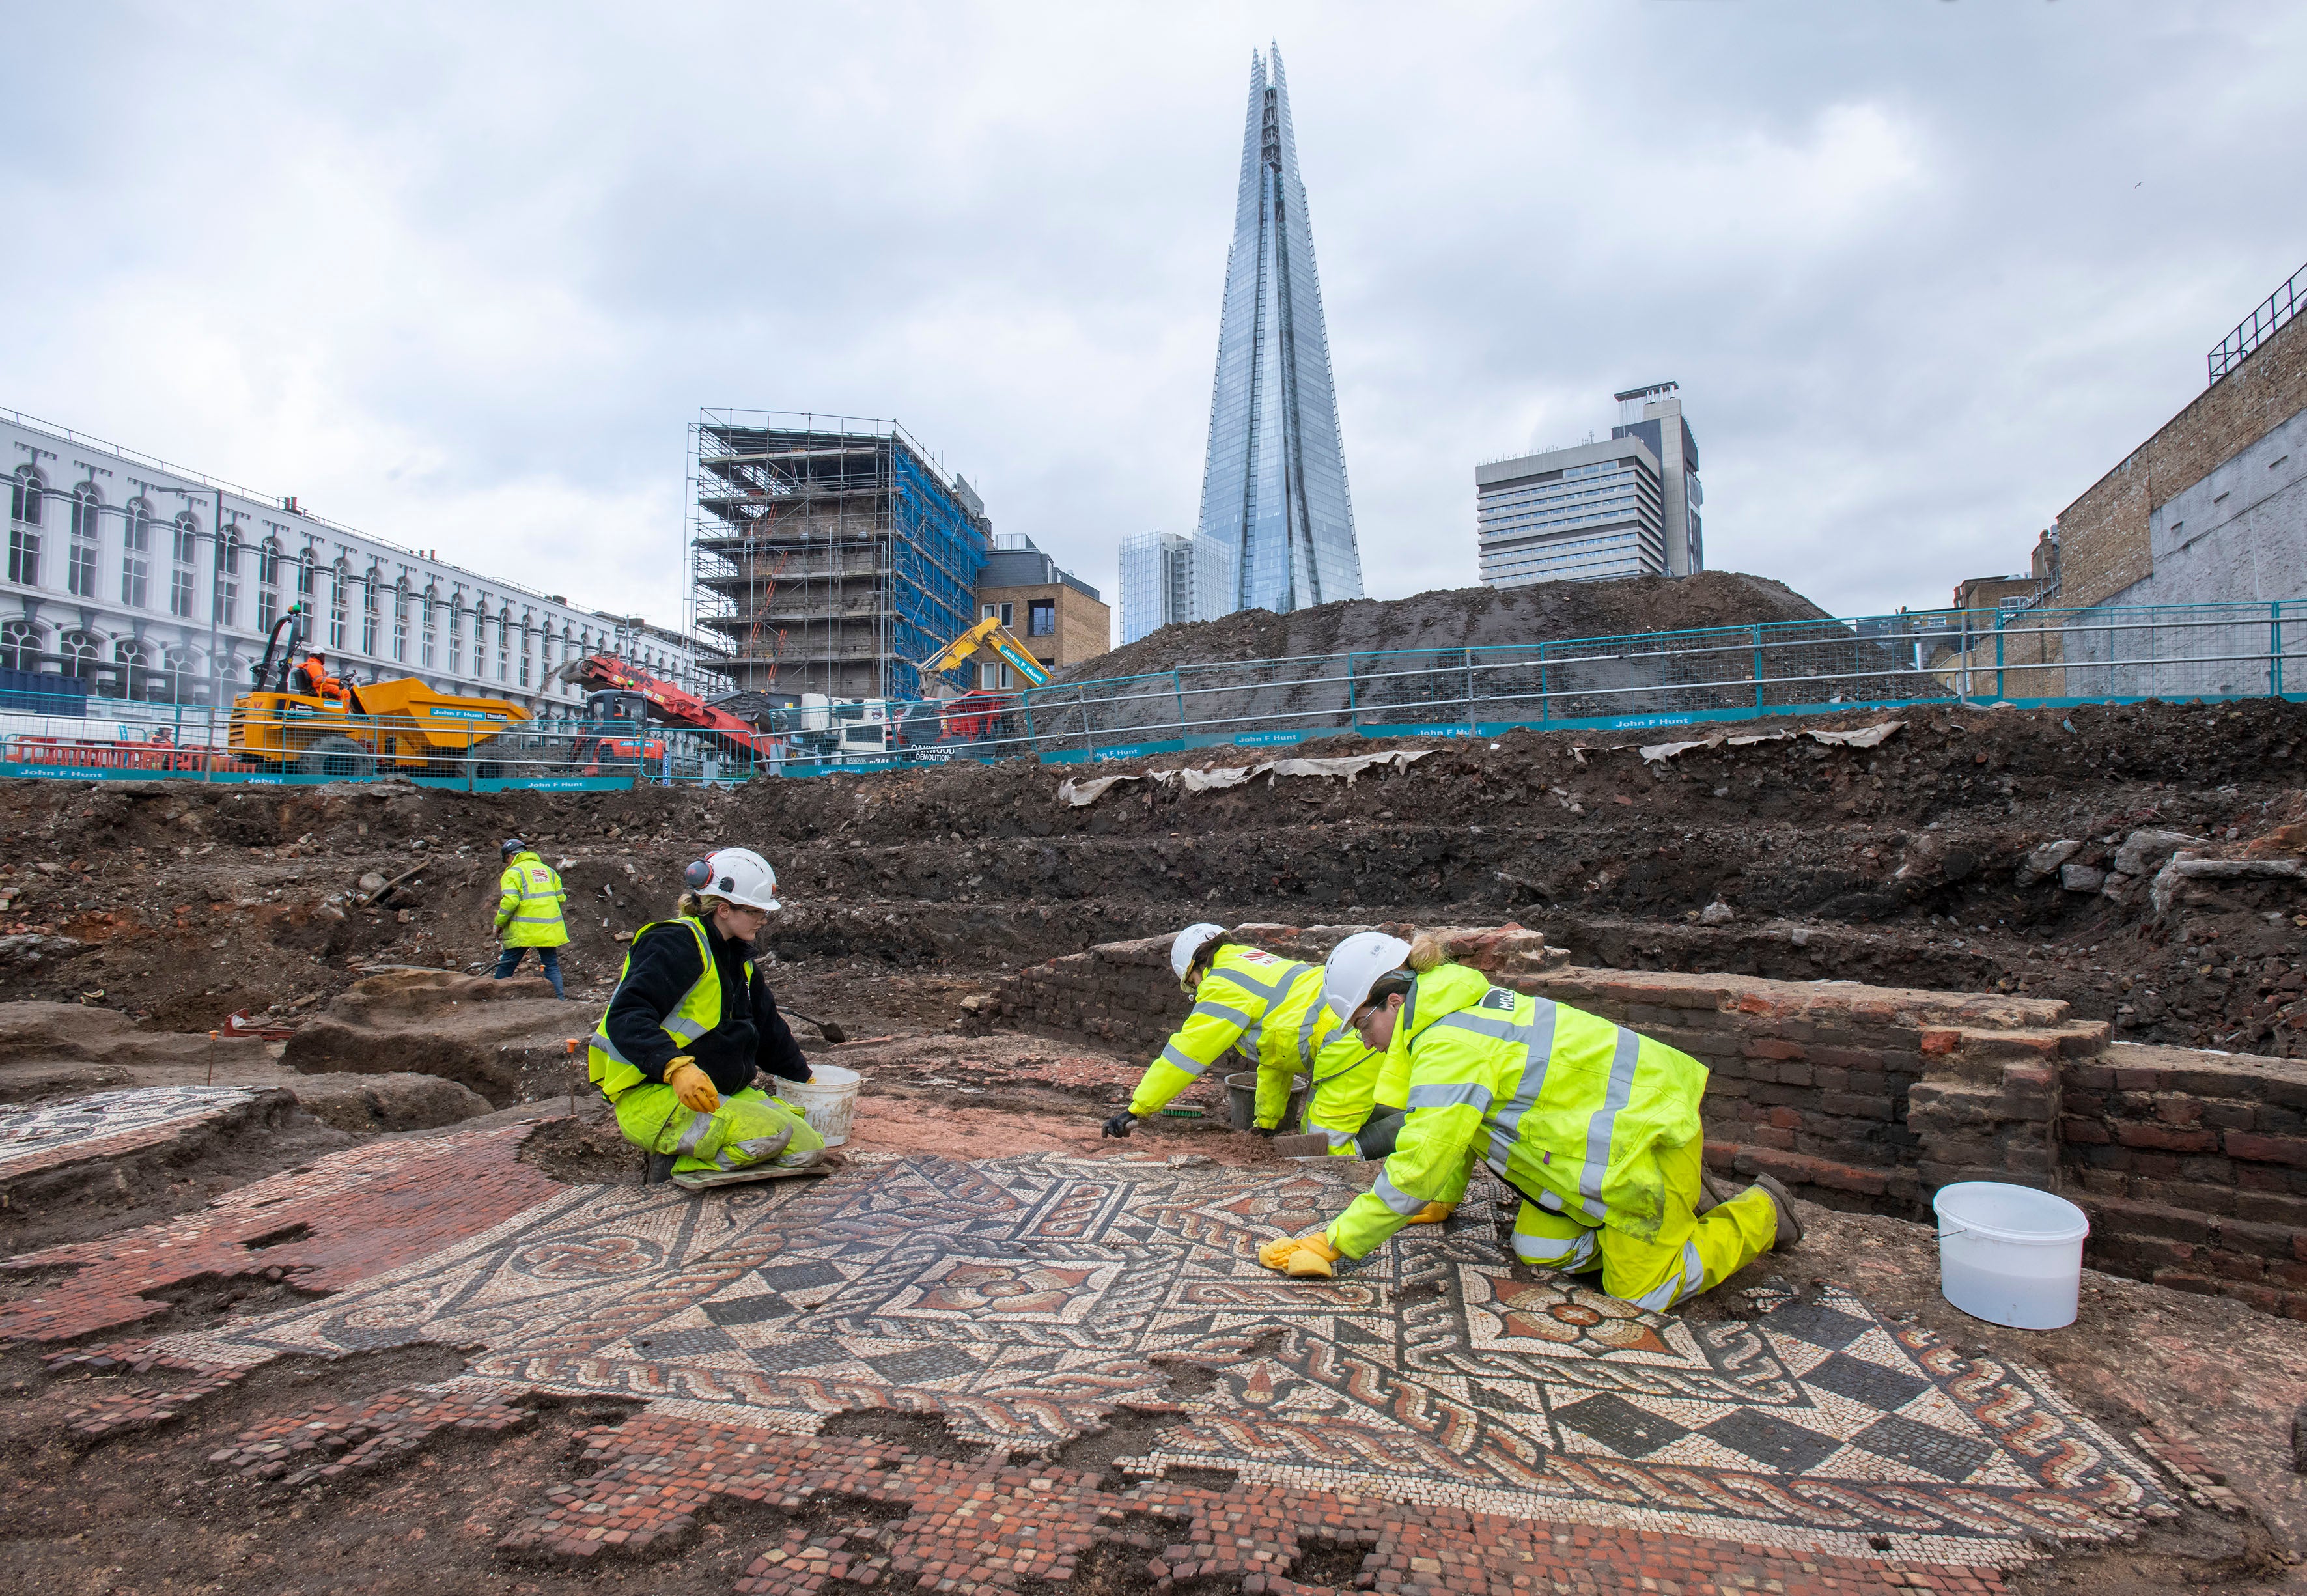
[1268, 1012]
[1596, 1126]
[690, 1027]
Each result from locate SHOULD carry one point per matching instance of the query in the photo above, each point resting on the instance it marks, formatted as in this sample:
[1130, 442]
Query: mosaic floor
[1025, 1299]
[34, 1132]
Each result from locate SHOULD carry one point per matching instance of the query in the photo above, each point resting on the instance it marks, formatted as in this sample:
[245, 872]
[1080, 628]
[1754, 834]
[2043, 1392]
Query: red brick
[2165, 1138]
[2267, 1149]
[1937, 1042]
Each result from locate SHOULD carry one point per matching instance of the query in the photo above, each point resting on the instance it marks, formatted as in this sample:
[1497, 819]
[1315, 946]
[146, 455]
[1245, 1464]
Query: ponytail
[697, 906]
[1425, 953]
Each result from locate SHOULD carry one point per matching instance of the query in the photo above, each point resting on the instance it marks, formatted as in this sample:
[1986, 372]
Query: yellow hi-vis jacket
[698, 1012]
[1568, 1109]
[1267, 1011]
[529, 896]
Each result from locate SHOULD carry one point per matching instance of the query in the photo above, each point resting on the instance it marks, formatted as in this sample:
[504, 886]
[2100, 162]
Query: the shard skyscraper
[1273, 490]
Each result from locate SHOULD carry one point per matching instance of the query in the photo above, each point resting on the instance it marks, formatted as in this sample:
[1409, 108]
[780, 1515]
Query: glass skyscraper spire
[1273, 490]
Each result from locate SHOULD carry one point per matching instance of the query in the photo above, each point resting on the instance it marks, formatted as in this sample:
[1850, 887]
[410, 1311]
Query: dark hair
[1207, 953]
[1393, 983]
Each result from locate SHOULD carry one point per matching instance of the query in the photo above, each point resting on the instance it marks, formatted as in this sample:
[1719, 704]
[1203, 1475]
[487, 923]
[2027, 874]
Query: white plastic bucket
[2010, 1255]
[827, 1101]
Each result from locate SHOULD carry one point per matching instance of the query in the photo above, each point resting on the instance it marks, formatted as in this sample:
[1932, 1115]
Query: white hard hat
[739, 875]
[1189, 942]
[1354, 967]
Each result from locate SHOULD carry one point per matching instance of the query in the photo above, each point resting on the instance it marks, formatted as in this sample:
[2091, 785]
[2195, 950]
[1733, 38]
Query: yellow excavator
[328, 727]
[989, 633]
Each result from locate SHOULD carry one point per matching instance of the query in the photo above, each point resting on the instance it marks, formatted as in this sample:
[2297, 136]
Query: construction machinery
[989, 633]
[618, 690]
[614, 736]
[402, 724]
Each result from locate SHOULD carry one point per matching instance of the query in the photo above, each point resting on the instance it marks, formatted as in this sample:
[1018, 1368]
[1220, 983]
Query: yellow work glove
[1301, 1258]
[692, 1086]
[1433, 1213]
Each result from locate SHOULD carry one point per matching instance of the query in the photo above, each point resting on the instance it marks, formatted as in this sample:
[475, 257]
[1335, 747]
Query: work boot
[660, 1168]
[1714, 1191]
[1790, 1229]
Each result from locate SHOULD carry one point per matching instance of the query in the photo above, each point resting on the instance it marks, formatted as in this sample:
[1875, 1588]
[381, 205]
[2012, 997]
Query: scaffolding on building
[828, 552]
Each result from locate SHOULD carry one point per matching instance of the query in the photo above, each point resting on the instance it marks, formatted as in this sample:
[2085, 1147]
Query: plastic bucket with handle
[1241, 1101]
[2011, 1255]
[826, 1100]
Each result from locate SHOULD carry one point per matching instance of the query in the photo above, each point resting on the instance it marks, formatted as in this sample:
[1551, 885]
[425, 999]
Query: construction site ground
[308, 1249]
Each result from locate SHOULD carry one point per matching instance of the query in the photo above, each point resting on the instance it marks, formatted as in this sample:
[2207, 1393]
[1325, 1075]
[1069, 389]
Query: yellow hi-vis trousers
[1696, 1255]
[749, 1128]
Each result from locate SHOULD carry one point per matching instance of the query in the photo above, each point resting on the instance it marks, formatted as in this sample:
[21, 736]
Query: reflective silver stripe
[1449, 1096]
[681, 1030]
[1614, 1098]
[1219, 1011]
[1172, 1053]
[616, 1054]
[1338, 1138]
[1557, 1252]
[533, 919]
[1665, 1294]
[1537, 1053]
[1487, 1025]
[1306, 1046]
[1386, 1192]
[694, 1133]
[1257, 988]
[760, 1146]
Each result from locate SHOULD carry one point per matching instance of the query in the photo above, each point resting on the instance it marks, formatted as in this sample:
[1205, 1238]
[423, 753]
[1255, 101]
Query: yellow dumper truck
[402, 724]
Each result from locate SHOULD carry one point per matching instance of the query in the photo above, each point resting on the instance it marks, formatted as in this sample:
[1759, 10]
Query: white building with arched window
[156, 585]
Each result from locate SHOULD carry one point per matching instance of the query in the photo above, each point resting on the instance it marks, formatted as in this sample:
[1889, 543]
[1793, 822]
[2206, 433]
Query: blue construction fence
[2027, 657]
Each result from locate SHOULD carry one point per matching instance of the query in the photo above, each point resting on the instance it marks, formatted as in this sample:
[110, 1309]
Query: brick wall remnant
[2192, 1166]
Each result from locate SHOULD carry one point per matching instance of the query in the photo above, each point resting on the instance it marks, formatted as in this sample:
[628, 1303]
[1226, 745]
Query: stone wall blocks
[2232, 1116]
[1851, 1105]
[2113, 1217]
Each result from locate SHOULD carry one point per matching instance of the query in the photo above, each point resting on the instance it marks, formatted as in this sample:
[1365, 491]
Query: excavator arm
[989, 633]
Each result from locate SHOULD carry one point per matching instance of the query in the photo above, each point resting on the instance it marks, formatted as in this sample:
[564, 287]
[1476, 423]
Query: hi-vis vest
[533, 891]
[698, 1012]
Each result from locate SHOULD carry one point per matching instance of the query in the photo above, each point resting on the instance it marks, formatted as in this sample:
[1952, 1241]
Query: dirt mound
[477, 1031]
[87, 1033]
[1462, 618]
[399, 1102]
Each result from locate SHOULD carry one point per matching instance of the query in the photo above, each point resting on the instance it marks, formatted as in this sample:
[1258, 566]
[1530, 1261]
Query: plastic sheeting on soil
[1080, 794]
[1862, 737]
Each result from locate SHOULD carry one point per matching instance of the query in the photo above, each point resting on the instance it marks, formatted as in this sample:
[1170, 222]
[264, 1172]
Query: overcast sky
[461, 275]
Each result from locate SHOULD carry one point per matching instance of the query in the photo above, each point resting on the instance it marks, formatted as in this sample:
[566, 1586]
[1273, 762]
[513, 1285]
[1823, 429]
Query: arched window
[79, 651]
[268, 585]
[180, 679]
[369, 585]
[20, 646]
[504, 644]
[26, 490]
[136, 555]
[338, 576]
[480, 640]
[400, 623]
[87, 507]
[305, 565]
[137, 678]
[183, 550]
[227, 602]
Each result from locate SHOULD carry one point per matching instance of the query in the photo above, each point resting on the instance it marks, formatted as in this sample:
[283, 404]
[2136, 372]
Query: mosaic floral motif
[1572, 1316]
[29, 1132]
[1024, 1299]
